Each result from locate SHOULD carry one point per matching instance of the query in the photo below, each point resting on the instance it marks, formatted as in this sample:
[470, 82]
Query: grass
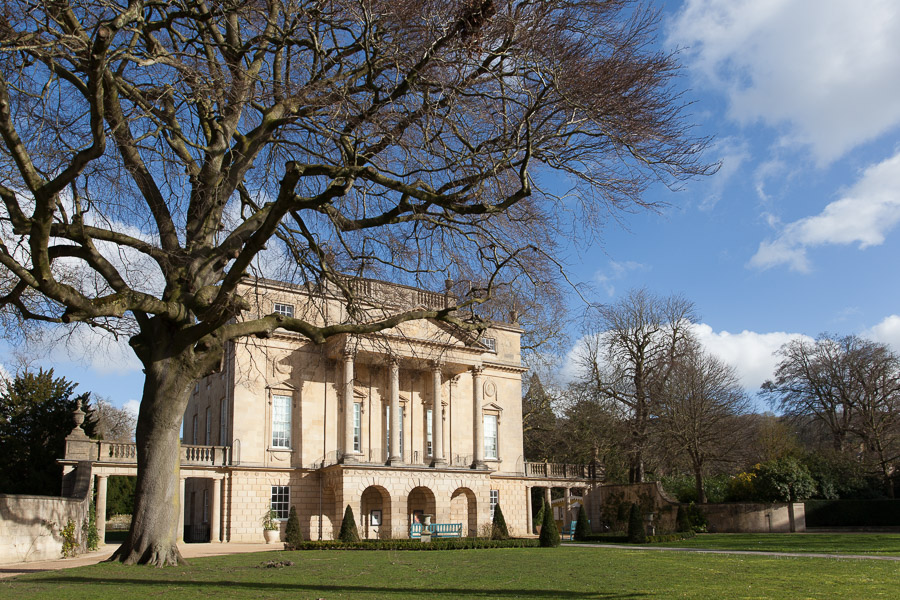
[568, 572]
[826, 543]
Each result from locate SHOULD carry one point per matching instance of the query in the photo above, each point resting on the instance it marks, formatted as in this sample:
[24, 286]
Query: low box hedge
[621, 538]
[852, 513]
[405, 544]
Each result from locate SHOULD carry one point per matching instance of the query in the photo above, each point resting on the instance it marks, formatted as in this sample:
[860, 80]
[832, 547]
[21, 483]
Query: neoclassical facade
[422, 419]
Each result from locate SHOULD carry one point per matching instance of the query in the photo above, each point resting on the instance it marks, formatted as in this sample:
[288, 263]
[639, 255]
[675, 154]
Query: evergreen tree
[683, 520]
[292, 535]
[35, 418]
[348, 527]
[499, 530]
[636, 532]
[582, 526]
[549, 532]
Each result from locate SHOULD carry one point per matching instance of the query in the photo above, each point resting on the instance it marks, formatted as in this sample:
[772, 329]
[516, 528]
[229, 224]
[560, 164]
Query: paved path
[187, 551]
[751, 552]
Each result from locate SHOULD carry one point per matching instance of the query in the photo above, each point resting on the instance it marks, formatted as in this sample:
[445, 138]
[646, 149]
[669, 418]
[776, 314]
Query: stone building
[422, 419]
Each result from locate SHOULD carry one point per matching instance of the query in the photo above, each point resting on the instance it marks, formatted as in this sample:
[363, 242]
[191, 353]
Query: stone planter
[272, 535]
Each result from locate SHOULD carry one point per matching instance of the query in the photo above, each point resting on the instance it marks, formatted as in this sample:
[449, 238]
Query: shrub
[636, 532]
[582, 526]
[70, 544]
[499, 530]
[407, 544]
[89, 532]
[348, 527]
[741, 487]
[292, 535]
[783, 480]
[549, 537]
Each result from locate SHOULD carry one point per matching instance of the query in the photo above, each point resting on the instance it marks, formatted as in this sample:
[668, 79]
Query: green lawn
[887, 544]
[607, 573]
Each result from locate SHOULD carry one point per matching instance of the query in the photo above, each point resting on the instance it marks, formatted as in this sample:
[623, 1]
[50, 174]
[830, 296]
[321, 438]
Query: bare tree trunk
[154, 527]
[698, 482]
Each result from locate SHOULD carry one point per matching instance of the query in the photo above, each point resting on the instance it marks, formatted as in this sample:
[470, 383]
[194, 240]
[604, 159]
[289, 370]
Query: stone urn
[272, 535]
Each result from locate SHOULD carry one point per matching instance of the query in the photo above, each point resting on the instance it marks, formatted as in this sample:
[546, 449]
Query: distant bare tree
[698, 409]
[112, 424]
[628, 355]
[156, 154]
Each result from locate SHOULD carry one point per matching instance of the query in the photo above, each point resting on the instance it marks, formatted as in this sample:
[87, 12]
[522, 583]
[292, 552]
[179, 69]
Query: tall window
[281, 421]
[357, 427]
[194, 430]
[283, 309]
[205, 518]
[223, 422]
[281, 501]
[208, 426]
[490, 436]
[387, 429]
[495, 500]
[428, 421]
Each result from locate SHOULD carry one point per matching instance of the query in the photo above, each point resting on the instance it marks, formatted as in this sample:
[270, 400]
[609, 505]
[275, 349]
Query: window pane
[357, 427]
[208, 426]
[428, 422]
[490, 436]
[281, 421]
[283, 309]
[495, 499]
[281, 501]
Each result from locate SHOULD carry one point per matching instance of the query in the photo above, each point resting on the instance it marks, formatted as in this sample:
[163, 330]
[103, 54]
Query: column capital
[348, 354]
[477, 370]
[436, 366]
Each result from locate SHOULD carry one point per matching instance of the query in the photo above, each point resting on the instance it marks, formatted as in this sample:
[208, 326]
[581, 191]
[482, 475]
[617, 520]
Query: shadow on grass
[421, 591]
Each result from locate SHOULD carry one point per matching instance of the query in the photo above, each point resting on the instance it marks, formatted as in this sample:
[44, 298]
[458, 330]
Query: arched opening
[375, 513]
[463, 509]
[419, 502]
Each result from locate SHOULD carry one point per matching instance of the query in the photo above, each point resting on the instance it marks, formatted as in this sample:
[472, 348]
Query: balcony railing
[120, 452]
[563, 471]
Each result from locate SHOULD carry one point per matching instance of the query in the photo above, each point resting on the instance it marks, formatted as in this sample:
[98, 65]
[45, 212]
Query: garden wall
[30, 525]
[616, 500]
[741, 517]
[853, 513]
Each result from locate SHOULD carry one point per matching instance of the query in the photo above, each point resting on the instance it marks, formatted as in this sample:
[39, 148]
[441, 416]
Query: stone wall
[755, 517]
[30, 525]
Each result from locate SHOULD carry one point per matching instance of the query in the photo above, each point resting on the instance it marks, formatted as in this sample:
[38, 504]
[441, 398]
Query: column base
[480, 465]
[395, 461]
[350, 459]
[439, 462]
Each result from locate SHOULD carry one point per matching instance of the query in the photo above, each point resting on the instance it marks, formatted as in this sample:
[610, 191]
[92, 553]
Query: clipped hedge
[620, 538]
[406, 544]
[852, 513]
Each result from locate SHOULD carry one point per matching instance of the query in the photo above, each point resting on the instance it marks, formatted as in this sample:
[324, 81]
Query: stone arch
[375, 498]
[420, 498]
[464, 509]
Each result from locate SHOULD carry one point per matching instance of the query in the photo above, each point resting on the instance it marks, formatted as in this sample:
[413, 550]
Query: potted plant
[271, 527]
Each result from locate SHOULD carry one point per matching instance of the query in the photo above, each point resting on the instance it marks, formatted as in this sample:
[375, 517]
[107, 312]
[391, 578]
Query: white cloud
[865, 213]
[132, 406]
[732, 153]
[827, 69]
[616, 271]
[91, 347]
[886, 332]
[751, 354]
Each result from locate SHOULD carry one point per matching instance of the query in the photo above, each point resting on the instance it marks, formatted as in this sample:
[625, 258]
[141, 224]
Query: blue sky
[797, 234]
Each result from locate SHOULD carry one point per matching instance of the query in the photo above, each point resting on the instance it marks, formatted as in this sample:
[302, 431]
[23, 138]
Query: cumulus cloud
[886, 332]
[864, 214]
[824, 71]
[732, 153]
[132, 407]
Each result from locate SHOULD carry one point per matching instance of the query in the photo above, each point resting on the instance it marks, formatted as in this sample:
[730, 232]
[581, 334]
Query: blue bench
[570, 532]
[438, 530]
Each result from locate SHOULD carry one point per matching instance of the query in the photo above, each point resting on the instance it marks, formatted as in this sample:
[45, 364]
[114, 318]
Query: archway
[419, 502]
[375, 513]
[463, 509]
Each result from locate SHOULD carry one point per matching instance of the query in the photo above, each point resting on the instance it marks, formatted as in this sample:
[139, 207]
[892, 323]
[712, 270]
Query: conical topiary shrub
[582, 526]
[683, 520]
[549, 532]
[292, 535]
[636, 532]
[499, 530]
[348, 527]
[539, 517]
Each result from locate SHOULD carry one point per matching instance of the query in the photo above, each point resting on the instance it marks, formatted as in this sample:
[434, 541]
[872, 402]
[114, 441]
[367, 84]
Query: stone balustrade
[563, 471]
[122, 452]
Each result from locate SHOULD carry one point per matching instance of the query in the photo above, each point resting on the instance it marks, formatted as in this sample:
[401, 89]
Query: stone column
[101, 507]
[395, 458]
[350, 455]
[547, 499]
[437, 417]
[215, 518]
[567, 515]
[529, 516]
[478, 419]
[180, 533]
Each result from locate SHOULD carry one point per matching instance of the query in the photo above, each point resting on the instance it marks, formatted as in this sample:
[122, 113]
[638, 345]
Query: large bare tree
[628, 355]
[156, 154]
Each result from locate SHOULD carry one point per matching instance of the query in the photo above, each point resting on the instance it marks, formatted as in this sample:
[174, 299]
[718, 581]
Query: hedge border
[613, 538]
[413, 545]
